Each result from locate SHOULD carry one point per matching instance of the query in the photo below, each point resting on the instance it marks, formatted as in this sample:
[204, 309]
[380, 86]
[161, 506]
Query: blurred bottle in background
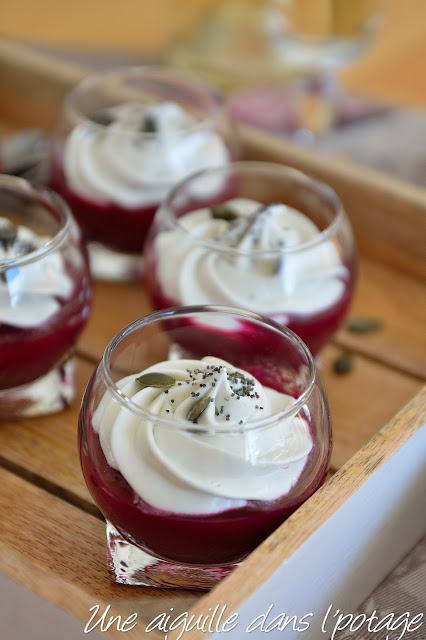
[228, 42]
[322, 33]
[234, 42]
[243, 44]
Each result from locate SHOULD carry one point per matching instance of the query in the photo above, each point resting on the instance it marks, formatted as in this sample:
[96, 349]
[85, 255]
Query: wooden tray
[52, 539]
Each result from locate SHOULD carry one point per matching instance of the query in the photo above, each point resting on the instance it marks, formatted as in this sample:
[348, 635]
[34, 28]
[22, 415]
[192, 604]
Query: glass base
[113, 266]
[51, 393]
[128, 564]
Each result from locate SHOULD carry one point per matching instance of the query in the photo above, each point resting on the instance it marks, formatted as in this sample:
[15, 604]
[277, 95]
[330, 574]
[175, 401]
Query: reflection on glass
[123, 138]
[45, 297]
[195, 447]
[260, 236]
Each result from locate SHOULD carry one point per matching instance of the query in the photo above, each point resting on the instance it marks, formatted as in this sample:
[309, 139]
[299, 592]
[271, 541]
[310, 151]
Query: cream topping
[297, 282]
[205, 470]
[144, 149]
[29, 294]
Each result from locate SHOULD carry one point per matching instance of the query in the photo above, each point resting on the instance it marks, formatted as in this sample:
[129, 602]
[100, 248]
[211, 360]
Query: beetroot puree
[315, 330]
[116, 227]
[27, 354]
[214, 539]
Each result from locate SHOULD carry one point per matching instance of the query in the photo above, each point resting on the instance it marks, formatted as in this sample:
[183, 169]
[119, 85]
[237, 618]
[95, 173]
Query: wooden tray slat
[395, 299]
[66, 563]
[39, 466]
[58, 551]
[362, 401]
[44, 450]
[382, 292]
[387, 214]
[289, 537]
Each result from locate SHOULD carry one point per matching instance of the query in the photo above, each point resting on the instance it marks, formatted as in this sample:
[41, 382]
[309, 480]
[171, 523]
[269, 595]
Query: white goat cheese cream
[294, 282]
[131, 163]
[206, 471]
[29, 293]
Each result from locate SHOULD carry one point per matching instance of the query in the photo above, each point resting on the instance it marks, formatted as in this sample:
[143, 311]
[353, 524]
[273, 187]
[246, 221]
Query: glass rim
[163, 73]
[45, 197]
[254, 166]
[185, 311]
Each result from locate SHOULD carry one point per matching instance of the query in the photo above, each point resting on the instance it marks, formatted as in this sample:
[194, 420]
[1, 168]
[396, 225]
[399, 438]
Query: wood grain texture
[382, 292]
[362, 401]
[263, 562]
[44, 450]
[108, 317]
[399, 302]
[58, 551]
[33, 84]
[39, 467]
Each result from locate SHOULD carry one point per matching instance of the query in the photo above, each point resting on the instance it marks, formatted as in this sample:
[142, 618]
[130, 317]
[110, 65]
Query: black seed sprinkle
[8, 233]
[149, 124]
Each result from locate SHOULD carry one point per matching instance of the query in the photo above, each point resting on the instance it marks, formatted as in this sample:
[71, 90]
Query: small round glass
[45, 297]
[272, 240]
[123, 138]
[196, 445]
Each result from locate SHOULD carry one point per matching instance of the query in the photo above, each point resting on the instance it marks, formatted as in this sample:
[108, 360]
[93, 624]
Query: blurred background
[350, 72]
[153, 28]
[343, 77]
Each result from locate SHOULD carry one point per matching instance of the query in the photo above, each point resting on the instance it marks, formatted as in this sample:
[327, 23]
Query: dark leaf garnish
[344, 363]
[103, 118]
[364, 325]
[149, 124]
[156, 379]
[198, 408]
[8, 232]
[223, 212]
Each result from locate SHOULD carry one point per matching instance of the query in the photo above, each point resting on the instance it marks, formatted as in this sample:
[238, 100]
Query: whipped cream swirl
[136, 152]
[259, 274]
[203, 469]
[29, 293]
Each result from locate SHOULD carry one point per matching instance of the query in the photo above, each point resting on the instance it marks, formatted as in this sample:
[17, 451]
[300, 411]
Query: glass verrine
[277, 242]
[194, 459]
[45, 297]
[123, 138]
